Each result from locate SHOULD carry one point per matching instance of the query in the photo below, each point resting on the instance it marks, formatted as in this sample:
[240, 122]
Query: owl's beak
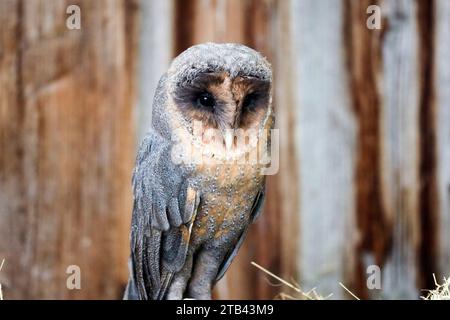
[229, 129]
[229, 138]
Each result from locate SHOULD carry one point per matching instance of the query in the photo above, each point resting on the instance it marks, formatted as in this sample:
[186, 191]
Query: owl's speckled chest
[227, 195]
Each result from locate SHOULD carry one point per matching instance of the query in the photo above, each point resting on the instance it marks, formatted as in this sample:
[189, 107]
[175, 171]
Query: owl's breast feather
[227, 194]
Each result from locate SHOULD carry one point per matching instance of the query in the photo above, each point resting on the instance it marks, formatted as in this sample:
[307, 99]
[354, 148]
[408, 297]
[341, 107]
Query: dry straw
[442, 291]
[351, 293]
[1, 293]
[300, 294]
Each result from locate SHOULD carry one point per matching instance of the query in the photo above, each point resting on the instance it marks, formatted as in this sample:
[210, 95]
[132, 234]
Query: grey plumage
[189, 220]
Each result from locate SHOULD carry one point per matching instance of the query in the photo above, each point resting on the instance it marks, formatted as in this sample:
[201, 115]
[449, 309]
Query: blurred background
[364, 119]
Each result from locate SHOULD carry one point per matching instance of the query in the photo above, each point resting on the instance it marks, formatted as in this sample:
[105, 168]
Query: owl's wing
[255, 212]
[163, 212]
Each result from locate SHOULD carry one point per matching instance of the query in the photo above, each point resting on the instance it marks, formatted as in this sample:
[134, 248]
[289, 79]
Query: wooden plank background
[364, 119]
[67, 147]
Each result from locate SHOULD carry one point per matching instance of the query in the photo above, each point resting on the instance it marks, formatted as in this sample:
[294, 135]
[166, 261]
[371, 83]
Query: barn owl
[191, 217]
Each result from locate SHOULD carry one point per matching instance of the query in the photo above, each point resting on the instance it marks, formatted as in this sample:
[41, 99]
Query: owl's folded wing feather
[163, 212]
[255, 213]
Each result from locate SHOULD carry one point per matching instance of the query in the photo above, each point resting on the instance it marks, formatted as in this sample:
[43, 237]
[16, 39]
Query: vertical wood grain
[11, 122]
[71, 141]
[286, 199]
[442, 100]
[428, 247]
[393, 94]
[400, 146]
[325, 135]
[363, 56]
[156, 47]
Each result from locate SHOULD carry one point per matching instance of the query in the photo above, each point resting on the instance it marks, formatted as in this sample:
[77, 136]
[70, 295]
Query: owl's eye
[249, 101]
[206, 100]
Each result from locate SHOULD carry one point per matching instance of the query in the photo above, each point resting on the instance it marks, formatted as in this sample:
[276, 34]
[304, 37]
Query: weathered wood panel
[392, 90]
[399, 150]
[325, 133]
[286, 201]
[156, 47]
[67, 147]
[396, 179]
[10, 124]
[364, 58]
[442, 85]
[428, 197]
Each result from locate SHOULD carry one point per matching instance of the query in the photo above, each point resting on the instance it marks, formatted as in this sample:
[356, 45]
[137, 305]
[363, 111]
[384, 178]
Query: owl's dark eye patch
[205, 100]
[250, 101]
[252, 92]
[197, 93]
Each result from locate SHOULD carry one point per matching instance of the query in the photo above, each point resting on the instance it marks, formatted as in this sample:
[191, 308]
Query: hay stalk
[310, 295]
[442, 291]
[1, 293]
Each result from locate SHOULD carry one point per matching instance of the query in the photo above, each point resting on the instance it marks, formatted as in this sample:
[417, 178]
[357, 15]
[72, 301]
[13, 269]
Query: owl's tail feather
[153, 259]
[166, 279]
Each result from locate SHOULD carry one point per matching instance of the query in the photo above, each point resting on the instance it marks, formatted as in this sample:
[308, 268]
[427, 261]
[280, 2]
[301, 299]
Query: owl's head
[223, 86]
